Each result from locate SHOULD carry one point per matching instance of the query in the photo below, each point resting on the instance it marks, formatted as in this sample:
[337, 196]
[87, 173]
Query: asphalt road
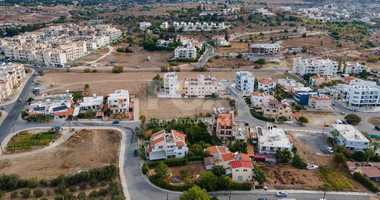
[206, 56]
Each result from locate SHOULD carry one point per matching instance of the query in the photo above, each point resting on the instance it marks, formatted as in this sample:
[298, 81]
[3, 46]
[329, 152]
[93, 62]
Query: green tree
[261, 61]
[143, 120]
[162, 170]
[297, 162]
[369, 153]
[239, 146]
[38, 193]
[259, 174]
[283, 156]
[340, 159]
[375, 145]
[340, 64]
[25, 193]
[303, 120]
[335, 133]
[353, 119]
[195, 193]
[196, 149]
[208, 181]
[218, 170]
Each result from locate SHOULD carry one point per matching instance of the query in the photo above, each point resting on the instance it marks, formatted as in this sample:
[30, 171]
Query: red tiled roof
[179, 135]
[158, 133]
[131, 104]
[216, 149]
[228, 157]
[349, 78]
[69, 111]
[240, 163]
[257, 94]
[265, 156]
[371, 172]
[266, 81]
[319, 98]
[244, 156]
[158, 140]
[99, 114]
[36, 113]
[273, 101]
[208, 161]
[225, 119]
[179, 144]
[350, 164]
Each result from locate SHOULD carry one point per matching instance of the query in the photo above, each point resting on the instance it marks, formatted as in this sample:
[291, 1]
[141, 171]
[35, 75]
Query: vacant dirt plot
[129, 60]
[193, 169]
[236, 47]
[374, 120]
[25, 15]
[83, 151]
[319, 118]
[288, 177]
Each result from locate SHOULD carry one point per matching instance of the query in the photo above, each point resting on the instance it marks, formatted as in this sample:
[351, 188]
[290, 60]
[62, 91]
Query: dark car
[136, 153]
[262, 199]
[377, 128]
[115, 122]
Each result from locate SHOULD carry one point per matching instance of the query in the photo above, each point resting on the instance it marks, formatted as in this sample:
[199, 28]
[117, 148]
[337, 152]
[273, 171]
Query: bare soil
[319, 118]
[375, 120]
[236, 47]
[24, 15]
[83, 151]
[193, 169]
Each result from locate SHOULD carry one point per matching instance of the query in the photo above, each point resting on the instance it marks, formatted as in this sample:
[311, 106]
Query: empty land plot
[24, 15]
[236, 47]
[319, 118]
[29, 140]
[82, 151]
[375, 120]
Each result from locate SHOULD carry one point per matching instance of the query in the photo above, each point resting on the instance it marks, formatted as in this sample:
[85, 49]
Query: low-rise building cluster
[315, 66]
[11, 75]
[57, 45]
[197, 26]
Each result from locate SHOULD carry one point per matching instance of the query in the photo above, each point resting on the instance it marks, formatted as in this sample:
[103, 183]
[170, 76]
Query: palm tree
[376, 146]
[335, 133]
[142, 119]
[369, 153]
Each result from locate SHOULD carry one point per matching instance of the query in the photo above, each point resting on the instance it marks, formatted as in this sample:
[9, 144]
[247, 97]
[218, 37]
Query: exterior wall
[320, 67]
[245, 82]
[185, 52]
[242, 174]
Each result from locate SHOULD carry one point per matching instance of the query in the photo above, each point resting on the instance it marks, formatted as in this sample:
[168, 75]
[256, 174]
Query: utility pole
[13, 127]
[229, 198]
[167, 195]
[324, 195]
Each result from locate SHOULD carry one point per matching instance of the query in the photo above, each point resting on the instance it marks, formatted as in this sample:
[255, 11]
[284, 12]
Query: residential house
[318, 80]
[209, 163]
[242, 171]
[164, 145]
[245, 82]
[258, 98]
[271, 139]
[265, 49]
[302, 97]
[267, 84]
[144, 25]
[275, 109]
[223, 124]
[189, 52]
[320, 67]
[57, 105]
[200, 87]
[350, 165]
[11, 75]
[220, 40]
[118, 102]
[319, 102]
[289, 84]
[352, 68]
[92, 103]
[372, 173]
[217, 152]
[350, 137]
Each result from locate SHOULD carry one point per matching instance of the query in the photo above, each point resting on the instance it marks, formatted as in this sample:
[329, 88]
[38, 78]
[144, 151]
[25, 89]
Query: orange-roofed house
[318, 80]
[258, 98]
[164, 145]
[267, 84]
[226, 159]
[217, 151]
[319, 102]
[223, 124]
[242, 171]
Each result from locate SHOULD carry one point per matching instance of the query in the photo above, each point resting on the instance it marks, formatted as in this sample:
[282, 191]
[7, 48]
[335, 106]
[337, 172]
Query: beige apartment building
[275, 109]
[320, 102]
[10, 76]
[200, 87]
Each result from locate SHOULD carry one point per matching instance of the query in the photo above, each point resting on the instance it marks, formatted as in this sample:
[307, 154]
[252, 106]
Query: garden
[25, 140]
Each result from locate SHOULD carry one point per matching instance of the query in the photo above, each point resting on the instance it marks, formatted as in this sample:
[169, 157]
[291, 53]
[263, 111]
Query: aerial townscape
[190, 99]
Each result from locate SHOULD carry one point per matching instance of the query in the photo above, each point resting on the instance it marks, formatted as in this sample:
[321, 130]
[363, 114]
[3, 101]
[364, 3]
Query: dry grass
[375, 120]
[83, 151]
[193, 169]
[319, 118]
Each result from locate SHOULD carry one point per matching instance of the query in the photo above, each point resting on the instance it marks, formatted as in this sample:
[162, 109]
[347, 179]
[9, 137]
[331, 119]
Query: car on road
[8, 99]
[342, 113]
[135, 153]
[115, 122]
[330, 149]
[19, 99]
[281, 194]
[377, 128]
[262, 199]
[3, 107]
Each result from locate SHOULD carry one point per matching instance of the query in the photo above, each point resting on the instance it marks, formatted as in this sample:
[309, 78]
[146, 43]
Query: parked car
[19, 99]
[330, 149]
[338, 121]
[377, 128]
[312, 167]
[136, 153]
[281, 194]
[3, 108]
[342, 113]
[115, 122]
[262, 199]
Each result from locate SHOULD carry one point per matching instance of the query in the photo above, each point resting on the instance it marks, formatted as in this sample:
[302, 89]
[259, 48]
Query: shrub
[38, 193]
[14, 194]
[260, 117]
[170, 162]
[58, 197]
[353, 119]
[365, 182]
[241, 186]
[82, 186]
[60, 189]
[128, 50]
[43, 182]
[117, 69]
[93, 194]
[87, 70]
[73, 188]
[102, 192]
[82, 196]
[32, 182]
[165, 185]
[297, 162]
[145, 168]
[94, 71]
[25, 193]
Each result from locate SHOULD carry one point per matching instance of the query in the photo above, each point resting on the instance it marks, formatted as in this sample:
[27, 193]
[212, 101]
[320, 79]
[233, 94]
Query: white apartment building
[258, 99]
[92, 103]
[118, 102]
[289, 84]
[189, 52]
[164, 25]
[200, 87]
[319, 102]
[144, 25]
[171, 86]
[320, 67]
[220, 40]
[352, 68]
[164, 145]
[265, 49]
[267, 84]
[50, 104]
[271, 139]
[350, 138]
[245, 82]
[197, 26]
[362, 96]
[10, 76]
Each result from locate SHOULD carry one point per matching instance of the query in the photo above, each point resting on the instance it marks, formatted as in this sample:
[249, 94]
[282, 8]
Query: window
[237, 170]
[245, 170]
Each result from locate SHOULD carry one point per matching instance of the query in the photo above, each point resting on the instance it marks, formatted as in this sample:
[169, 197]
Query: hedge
[260, 117]
[365, 182]
[195, 158]
[170, 162]
[168, 186]
[241, 186]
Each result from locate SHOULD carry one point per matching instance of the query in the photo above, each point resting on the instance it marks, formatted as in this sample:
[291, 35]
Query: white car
[312, 167]
[330, 149]
[281, 194]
